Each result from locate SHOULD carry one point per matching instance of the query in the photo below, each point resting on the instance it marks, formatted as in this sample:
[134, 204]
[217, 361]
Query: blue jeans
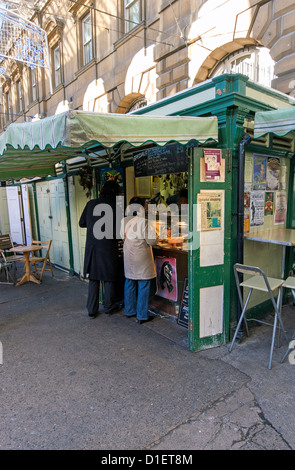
[136, 298]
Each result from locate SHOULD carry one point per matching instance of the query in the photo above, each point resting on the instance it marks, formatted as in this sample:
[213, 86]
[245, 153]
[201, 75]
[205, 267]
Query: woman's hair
[110, 189]
[137, 200]
[136, 206]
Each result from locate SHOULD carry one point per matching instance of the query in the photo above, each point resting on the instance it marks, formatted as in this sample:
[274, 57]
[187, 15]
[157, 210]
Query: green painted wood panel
[215, 275]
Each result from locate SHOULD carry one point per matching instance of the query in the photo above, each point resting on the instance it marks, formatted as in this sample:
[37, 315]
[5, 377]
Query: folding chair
[5, 244]
[39, 271]
[258, 281]
[5, 266]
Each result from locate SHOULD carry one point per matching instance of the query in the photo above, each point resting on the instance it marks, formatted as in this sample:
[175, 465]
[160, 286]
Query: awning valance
[279, 122]
[33, 148]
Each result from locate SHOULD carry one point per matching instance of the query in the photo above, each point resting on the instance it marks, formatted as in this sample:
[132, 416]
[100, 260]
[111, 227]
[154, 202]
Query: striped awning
[279, 122]
[33, 148]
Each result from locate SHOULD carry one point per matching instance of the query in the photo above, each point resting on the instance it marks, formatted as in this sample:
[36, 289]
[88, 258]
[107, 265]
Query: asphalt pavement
[68, 382]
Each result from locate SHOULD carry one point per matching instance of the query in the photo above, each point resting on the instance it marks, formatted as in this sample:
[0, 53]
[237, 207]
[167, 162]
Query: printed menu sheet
[256, 208]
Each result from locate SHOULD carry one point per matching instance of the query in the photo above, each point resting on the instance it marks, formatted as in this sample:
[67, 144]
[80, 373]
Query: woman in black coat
[101, 262]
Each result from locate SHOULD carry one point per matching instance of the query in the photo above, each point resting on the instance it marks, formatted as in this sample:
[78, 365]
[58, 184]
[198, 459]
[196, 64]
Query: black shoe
[112, 310]
[92, 315]
[130, 316]
[116, 308]
[144, 321]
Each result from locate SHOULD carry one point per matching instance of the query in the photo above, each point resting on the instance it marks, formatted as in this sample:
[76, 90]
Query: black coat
[101, 260]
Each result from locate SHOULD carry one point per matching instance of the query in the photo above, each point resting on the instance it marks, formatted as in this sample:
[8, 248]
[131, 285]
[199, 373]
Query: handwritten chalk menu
[183, 310]
[160, 160]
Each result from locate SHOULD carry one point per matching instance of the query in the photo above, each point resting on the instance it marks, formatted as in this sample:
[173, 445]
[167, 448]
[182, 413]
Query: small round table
[27, 275]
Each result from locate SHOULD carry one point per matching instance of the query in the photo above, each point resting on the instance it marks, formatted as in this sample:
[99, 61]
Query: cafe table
[283, 236]
[27, 275]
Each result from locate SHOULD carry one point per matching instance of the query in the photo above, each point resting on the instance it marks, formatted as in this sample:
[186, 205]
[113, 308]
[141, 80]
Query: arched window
[255, 62]
[139, 103]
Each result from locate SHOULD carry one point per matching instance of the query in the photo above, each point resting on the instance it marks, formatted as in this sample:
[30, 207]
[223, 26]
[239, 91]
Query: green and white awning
[279, 122]
[33, 148]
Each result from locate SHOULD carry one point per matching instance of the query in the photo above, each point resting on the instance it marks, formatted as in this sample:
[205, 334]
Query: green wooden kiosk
[234, 99]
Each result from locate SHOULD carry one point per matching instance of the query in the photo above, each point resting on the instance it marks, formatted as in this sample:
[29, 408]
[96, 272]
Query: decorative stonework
[54, 29]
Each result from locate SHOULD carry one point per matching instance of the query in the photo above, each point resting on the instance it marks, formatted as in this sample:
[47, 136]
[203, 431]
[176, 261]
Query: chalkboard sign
[172, 158]
[183, 310]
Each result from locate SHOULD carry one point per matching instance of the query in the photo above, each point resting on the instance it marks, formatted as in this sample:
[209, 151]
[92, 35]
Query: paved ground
[68, 382]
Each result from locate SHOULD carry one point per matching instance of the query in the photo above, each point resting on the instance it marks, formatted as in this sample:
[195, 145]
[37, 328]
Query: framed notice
[183, 308]
[212, 164]
[209, 211]
[143, 186]
[281, 208]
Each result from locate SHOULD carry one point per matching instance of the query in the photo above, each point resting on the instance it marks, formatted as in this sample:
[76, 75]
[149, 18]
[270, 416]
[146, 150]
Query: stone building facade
[117, 55]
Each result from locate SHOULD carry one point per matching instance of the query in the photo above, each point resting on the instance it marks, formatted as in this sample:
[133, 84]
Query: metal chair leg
[272, 341]
[277, 319]
[289, 349]
[240, 319]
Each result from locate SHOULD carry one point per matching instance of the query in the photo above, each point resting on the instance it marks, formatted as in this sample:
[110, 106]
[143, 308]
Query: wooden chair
[39, 271]
[7, 256]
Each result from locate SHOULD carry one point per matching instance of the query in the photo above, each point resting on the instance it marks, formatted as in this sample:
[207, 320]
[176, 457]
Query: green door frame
[201, 277]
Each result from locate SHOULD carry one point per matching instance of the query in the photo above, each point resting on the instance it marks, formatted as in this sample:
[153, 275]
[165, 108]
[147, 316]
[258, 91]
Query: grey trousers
[93, 296]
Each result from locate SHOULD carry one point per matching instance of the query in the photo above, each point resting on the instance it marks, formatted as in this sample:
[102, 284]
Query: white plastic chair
[258, 281]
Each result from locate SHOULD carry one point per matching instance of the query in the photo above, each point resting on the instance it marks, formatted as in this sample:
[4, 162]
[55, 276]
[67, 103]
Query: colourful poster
[112, 174]
[166, 277]
[259, 171]
[212, 164]
[268, 207]
[247, 200]
[281, 208]
[273, 174]
[246, 223]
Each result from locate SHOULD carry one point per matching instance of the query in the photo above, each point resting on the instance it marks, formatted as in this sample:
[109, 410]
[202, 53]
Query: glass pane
[33, 85]
[56, 58]
[57, 79]
[132, 13]
[86, 30]
[87, 53]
